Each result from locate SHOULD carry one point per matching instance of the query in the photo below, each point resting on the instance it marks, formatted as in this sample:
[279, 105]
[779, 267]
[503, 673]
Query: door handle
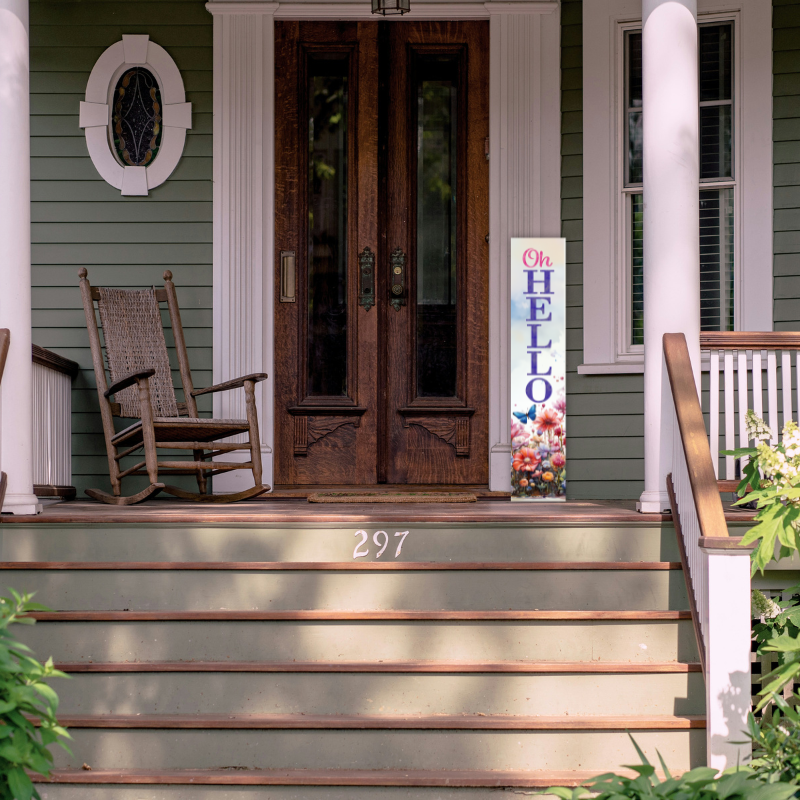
[397, 284]
[288, 276]
[366, 264]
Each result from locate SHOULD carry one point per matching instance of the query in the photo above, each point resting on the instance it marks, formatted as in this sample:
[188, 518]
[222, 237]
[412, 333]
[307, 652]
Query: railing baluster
[730, 464]
[713, 418]
[772, 393]
[786, 385]
[758, 385]
[743, 399]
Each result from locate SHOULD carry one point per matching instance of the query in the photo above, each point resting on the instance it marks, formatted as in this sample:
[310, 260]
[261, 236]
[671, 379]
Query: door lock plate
[397, 262]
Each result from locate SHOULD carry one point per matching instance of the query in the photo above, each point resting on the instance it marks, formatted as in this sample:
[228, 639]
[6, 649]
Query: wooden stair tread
[419, 666]
[356, 616]
[354, 566]
[380, 722]
[237, 776]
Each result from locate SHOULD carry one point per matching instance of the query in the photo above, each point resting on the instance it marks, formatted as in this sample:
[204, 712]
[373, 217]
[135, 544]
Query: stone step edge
[500, 722]
[420, 666]
[357, 616]
[347, 566]
[237, 776]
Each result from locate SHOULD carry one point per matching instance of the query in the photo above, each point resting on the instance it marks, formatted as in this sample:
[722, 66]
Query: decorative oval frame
[95, 114]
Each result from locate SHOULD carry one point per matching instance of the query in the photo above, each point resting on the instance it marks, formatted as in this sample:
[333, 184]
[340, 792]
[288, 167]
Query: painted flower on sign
[538, 450]
[526, 459]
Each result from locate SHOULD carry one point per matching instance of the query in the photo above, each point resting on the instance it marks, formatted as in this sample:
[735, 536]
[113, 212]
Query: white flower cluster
[756, 427]
[763, 607]
[780, 464]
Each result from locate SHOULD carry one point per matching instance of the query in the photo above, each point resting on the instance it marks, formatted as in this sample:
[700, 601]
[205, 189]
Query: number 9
[385, 542]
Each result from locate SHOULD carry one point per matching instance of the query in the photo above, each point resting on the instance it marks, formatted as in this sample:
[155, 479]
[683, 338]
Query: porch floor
[278, 511]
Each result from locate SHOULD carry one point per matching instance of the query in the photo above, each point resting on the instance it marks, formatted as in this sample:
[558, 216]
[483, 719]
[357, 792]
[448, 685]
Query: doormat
[392, 497]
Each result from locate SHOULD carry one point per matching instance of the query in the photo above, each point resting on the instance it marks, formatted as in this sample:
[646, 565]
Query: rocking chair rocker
[141, 382]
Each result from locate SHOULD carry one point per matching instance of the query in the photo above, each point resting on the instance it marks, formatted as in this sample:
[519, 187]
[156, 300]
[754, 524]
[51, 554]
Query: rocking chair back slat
[134, 339]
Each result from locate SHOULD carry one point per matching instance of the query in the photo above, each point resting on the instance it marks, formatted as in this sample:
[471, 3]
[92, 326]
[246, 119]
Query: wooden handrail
[694, 438]
[749, 340]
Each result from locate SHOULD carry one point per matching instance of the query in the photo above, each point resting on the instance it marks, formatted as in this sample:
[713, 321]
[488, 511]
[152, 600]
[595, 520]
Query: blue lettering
[548, 390]
[532, 279]
[537, 308]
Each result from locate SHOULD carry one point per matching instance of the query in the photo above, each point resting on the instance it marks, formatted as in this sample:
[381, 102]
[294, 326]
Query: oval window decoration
[136, 120]
[135, 115]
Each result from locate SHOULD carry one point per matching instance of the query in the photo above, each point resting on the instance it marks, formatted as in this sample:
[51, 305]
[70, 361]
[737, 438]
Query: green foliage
[776, 743]
[697, 784]
[23, 694]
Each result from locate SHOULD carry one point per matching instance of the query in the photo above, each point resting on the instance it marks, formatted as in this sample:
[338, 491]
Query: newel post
[671, 183]
[727, 641]
[16, 415]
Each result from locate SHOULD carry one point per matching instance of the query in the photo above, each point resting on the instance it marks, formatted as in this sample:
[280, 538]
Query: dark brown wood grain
[694, 437]
[750, 340]
[464, 722]
[49, 359]
[415, 667]
[321, 615]
[345, 566]
[319, 777]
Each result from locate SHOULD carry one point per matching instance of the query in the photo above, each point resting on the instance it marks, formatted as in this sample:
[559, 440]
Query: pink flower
[547, 419]
[517, 429]
[558, 460]
[560, 404]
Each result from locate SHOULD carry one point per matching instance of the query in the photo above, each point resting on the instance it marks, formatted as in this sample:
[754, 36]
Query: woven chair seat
[183, 429]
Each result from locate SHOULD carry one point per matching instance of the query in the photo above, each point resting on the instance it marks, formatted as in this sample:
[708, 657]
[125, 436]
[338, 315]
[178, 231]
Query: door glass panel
[327, 225]
[437, 159]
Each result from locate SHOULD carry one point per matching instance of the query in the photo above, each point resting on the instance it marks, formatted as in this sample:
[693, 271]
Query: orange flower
[548, 476]
[525, 459]
[523, 483]
[547, 419]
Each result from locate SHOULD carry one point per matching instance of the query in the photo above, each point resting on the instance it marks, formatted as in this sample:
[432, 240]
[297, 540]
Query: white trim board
[361, 11]
[524, 179]
[604, 252]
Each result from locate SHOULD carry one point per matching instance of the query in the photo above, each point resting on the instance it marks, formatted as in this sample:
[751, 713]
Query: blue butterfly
[523, 417]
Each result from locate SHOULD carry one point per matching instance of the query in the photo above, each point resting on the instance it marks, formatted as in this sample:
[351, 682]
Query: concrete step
[347, 589]
[567, 693]
[378, 749]
[583, 636]
[458, 542]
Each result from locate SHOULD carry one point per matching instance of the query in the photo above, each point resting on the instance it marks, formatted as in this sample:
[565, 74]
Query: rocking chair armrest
[128, 380]
[236, 383]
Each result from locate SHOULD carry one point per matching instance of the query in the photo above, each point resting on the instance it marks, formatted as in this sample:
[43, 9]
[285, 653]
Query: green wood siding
[606, 412]
[79, 220]
[786, 159]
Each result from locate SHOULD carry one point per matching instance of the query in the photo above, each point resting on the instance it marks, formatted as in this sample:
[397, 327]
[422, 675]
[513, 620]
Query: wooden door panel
[325, 436]
[438, 435]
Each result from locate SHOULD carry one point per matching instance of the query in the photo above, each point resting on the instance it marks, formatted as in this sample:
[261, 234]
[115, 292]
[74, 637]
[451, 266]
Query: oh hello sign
[538, 366]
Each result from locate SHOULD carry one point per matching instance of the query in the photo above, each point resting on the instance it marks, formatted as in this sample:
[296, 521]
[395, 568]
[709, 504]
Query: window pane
[437, 159]
[327, 226]
[633, 105]
[637, 271]
[715, 142]
[716, 260]
[716, 65]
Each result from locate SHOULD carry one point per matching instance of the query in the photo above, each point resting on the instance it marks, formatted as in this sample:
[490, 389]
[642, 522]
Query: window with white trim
[735, 190]
[717, 178]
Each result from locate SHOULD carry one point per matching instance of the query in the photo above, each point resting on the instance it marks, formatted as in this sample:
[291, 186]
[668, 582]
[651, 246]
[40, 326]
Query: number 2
[358, 553]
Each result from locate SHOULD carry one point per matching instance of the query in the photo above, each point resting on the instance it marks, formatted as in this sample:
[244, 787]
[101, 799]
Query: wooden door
[381, 319]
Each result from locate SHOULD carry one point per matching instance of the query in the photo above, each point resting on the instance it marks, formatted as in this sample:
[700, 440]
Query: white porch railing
[748, 370]
[52, 423]
[717, 569]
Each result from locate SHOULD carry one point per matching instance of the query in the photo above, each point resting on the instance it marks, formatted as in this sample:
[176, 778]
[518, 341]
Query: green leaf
[20, 784]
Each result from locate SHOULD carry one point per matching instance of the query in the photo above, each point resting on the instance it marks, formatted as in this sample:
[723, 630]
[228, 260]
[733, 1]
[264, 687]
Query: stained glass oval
[136, 122]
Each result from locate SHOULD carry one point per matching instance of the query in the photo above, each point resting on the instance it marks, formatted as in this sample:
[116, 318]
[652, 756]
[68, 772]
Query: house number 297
[381, 539]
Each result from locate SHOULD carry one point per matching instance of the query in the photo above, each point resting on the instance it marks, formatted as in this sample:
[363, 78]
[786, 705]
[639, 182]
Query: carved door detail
[382, 194]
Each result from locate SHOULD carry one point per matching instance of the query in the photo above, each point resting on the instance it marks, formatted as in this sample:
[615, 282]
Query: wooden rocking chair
[141, 382]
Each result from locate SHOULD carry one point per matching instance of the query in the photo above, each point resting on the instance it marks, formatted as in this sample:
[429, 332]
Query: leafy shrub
[776, 743]
[697, 784]
[24, 694]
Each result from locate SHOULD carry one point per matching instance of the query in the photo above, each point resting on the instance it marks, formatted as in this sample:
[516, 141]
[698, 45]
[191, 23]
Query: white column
[244, 181]
[524, 182]
[671, 219]
[16, 416]
[728, 637]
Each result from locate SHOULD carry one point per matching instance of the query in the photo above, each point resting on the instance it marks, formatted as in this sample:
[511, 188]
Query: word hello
[539, 294]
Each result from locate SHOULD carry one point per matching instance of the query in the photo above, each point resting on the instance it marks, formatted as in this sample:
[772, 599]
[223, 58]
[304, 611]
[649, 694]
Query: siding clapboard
[606, 412]
[786, 159]
[79, 220]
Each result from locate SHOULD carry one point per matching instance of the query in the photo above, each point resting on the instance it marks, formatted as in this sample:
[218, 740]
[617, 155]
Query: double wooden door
[381, 320]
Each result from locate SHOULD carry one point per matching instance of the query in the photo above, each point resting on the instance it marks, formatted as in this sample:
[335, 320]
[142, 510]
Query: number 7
[400, 546]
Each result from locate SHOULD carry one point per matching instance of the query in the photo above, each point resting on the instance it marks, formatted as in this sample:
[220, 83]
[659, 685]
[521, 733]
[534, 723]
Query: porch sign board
[538, 368]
